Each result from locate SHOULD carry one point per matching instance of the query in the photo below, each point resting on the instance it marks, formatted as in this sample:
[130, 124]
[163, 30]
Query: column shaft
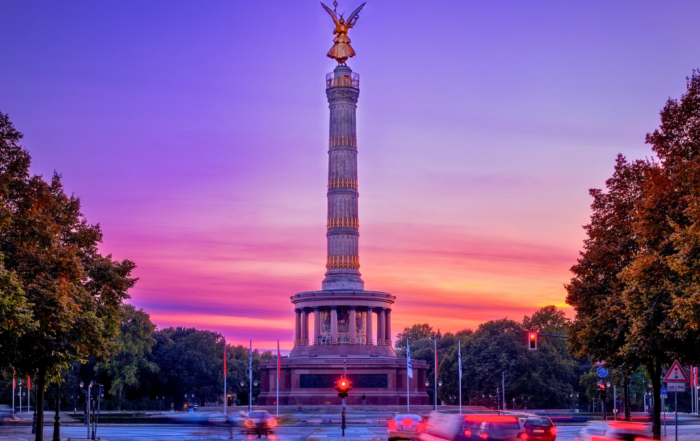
[334, 325]
[380, 327]
[368, 329]
[317, 324]
[353, 326]
[297, 327]
[387, 332]
[304, 327]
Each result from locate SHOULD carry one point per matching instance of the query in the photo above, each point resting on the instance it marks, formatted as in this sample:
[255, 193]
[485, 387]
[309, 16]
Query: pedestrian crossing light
[343, 387]
[532, 341]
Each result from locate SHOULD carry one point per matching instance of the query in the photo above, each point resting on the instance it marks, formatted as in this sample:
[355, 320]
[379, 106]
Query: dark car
[540, 429]
[258, 422]
[493, 427]
[406, 426]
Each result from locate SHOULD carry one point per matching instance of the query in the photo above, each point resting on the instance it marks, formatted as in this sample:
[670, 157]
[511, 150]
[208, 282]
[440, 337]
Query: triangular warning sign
[676, 374]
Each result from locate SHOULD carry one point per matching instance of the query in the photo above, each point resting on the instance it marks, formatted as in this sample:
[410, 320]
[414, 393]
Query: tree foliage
[635, 286]
[75, 293]
[135, 342]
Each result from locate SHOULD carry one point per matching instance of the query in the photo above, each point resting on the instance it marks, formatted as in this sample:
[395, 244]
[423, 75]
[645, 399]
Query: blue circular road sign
[602, 372]
[664, 391]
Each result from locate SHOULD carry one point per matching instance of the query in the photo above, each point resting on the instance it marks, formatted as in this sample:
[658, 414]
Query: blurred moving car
[406, 426]
[540, 428]
[615, 431]
[258, 422]
[495, 427]
[5, 413]
[473, 427]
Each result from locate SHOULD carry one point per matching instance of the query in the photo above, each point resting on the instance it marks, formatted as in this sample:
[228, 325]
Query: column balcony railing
[323, 340]
[352, 81]
[343, 339]
[360, 339]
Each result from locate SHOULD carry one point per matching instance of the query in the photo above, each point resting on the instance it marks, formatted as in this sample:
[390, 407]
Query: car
[493, 427]
[473, 427]
[258, 422]
[615, 431]
[540, 428]
[406, 426]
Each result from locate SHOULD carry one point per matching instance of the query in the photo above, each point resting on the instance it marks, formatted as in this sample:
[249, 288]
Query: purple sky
[196, 134]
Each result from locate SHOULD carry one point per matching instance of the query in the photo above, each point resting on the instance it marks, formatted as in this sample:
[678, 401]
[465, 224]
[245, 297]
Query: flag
[459, 358]
[408, 360]
[224, 358]
[279, 359]
[29, 385]
[14, 381]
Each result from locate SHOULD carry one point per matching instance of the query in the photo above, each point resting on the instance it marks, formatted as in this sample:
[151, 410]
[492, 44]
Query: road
[170, 433]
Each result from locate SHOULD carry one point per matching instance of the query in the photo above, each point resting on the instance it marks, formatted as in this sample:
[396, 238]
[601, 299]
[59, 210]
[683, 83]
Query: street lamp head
[440, 383]
[608, 384]
[242, 383]
[81, 385]
[427, 383]
[255, 383]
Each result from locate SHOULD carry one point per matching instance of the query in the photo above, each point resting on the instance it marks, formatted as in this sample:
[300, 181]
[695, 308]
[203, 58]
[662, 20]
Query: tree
[75, 292]
[414, 333]
[15, 311]
[635, 286]
[135, 342]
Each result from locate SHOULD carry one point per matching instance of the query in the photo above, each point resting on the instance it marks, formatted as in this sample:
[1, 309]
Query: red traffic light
[343, 387]
[532, 341]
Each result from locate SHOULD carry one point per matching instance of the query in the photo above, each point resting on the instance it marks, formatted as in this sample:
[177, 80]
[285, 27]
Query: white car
[615, 430]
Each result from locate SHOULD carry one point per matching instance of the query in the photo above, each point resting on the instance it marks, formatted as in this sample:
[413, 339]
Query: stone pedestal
[309, 381]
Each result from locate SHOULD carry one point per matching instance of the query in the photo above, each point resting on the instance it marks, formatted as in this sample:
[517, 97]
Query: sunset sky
[196, 134]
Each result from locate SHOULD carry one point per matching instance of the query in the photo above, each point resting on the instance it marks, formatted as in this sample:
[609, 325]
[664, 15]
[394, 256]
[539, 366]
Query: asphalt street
[169, 433]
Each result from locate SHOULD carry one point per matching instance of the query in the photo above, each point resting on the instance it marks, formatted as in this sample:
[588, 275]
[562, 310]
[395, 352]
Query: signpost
[664, 395]
[676, 379]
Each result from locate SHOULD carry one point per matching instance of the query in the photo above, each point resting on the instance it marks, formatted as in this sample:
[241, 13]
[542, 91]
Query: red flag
[224, 359]
[14, 385]
[279, 359]
[29, 385]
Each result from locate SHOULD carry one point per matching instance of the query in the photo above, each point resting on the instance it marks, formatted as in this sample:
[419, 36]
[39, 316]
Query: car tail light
[392, 425]
[249, 423]
[484, 435]
[421, 427]
[553, 430]
[272, 422]
[468, 433]
[406, 422]
[523, 436]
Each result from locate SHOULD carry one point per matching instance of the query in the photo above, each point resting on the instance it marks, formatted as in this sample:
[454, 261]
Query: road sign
[676, 387]
[602, 372]
[676, 374]
[599, 363]
[664, 391]
[664, 396]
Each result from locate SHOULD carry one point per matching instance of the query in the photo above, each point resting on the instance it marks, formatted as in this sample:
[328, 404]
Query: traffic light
[532, 341]
[602, 389]
[343, 387]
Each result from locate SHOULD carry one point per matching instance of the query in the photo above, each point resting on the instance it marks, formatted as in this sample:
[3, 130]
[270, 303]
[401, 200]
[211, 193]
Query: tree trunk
[628, 416]
[40, 388]
[656, 385]
[119, 398]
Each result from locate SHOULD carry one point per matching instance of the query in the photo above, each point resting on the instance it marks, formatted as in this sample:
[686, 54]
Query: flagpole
[225, 396]
[250, 378]
[279, 362]
[459, 359]
[13, 394]
[436, 384]
[408, 377]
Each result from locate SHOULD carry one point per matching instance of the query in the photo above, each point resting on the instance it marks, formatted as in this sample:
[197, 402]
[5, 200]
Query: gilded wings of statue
[341, 49]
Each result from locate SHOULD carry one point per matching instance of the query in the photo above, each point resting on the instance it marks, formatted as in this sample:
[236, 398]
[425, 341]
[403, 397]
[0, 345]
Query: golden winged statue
[341, 49]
